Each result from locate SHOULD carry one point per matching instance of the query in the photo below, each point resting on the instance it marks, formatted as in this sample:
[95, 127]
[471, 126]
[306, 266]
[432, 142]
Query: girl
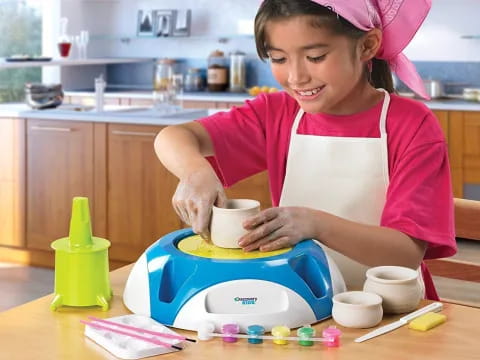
[363, 171]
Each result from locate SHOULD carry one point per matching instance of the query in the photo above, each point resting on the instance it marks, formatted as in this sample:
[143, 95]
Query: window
[20, 34]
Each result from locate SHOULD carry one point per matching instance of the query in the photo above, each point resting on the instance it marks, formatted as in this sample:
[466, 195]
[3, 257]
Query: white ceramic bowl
[357, 309]
[226, 225]
[400, 287]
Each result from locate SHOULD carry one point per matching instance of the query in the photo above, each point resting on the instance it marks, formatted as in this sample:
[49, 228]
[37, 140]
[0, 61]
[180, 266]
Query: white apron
[344, 176]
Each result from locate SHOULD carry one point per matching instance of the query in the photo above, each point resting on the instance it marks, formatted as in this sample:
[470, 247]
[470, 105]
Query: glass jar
[237, 72]
[217, 72]
[193, 80]
[163, 74]
[163, 85]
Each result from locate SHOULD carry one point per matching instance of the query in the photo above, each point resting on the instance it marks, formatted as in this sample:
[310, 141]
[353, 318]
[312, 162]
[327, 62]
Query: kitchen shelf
[126, 39]
[70, 62]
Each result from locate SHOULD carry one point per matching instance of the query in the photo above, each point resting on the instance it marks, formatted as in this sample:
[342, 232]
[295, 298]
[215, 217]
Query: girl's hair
[321, 17]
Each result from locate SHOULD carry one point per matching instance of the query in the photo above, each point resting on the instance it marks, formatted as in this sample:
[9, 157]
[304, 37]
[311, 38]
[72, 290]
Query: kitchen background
[446, 48]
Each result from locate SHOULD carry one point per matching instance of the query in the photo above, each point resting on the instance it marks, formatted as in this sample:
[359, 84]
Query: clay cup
[226, 223]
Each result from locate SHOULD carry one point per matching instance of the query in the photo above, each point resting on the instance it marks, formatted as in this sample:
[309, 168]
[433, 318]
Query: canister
[193, 80]
[217, 72]
[237, 72]
[163, 74]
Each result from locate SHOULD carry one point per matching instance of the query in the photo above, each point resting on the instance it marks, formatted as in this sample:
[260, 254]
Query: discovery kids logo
[246, 300]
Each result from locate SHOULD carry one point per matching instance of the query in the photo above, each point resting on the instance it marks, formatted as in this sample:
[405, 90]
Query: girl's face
[322, 71]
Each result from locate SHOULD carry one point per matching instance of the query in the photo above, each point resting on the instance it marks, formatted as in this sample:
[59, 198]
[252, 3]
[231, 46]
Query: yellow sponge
[427, 321]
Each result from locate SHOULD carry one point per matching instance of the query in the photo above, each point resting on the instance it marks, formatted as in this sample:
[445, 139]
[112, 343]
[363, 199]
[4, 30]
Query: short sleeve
[419, 198]
[238, 138]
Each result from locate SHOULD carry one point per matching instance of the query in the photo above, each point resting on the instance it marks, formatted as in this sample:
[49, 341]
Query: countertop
[32, 331]
[190, 96]
[453, 102]
[112, 113]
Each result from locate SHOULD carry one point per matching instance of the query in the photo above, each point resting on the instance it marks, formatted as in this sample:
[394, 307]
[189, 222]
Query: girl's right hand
[196, 193]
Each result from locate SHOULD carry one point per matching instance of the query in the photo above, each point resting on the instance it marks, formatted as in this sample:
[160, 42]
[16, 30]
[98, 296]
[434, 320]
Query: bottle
[217, 72]
[193, 80]
[237, 72]
[64, 41]
[100, 85]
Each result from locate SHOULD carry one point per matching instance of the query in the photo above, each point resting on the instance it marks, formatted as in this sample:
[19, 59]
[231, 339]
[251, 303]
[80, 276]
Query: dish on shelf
[19, 58]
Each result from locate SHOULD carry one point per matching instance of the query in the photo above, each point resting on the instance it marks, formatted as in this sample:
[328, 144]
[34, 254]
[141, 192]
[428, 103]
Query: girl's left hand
[278, 228]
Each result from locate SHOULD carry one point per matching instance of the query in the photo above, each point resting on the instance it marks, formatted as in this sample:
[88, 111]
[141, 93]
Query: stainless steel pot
[434, 88]
[40, 96]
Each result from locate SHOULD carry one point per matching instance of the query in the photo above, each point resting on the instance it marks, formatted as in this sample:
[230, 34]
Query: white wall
[440, 38]
[110, 20]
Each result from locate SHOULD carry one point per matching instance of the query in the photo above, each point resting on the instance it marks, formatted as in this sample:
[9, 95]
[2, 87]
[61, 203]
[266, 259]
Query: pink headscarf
[399, 20]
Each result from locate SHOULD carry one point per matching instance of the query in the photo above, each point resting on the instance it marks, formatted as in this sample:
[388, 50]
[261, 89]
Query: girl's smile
[308, 94]
[322, 71]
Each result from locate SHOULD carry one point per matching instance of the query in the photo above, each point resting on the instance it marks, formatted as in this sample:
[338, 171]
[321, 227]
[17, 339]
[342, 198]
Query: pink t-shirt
[256, 136]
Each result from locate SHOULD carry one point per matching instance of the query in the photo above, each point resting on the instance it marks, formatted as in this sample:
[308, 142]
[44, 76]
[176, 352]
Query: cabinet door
[471, 147]
[442, 117]
[12, 157]
[139, 192]
[455, 151]
[59, 167]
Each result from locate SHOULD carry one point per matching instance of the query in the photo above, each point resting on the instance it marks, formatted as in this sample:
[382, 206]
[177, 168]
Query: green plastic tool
[81, 263]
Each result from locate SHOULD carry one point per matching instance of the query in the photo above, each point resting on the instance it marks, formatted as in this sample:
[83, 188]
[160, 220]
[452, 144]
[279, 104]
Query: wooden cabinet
[442, 117]
[139, 192]
[59, 167]
[464, 149]
[12, 182]
[471, 149]
[45, 163]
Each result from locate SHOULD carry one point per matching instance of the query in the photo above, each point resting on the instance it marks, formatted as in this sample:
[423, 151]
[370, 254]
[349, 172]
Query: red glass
[64, 48]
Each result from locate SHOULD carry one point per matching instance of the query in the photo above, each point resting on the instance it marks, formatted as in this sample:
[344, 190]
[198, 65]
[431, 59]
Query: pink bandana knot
[399, 21]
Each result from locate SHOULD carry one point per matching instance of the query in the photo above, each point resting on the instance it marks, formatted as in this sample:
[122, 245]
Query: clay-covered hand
[278, 228]
[194, 197]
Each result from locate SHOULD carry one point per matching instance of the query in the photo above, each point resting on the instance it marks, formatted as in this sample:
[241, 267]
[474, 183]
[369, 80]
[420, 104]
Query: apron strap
[293, 132]
[383, 115]
[298, 117]
[383, 134]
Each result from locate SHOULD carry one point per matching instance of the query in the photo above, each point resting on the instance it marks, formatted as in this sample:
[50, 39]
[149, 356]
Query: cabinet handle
[133, 133]
[50, 128]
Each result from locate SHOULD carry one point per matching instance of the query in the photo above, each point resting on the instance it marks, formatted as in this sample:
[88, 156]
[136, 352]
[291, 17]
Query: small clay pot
[400, 287]
[357, 309]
